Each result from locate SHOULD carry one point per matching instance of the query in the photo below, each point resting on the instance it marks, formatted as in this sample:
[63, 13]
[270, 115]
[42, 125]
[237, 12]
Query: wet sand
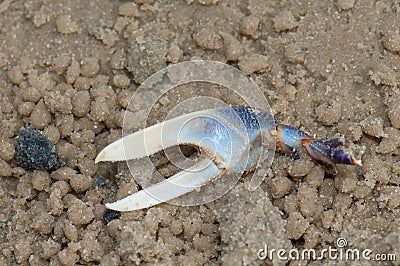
[69, 69]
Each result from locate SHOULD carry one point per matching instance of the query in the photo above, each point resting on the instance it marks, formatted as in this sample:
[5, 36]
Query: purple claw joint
[328, 151]
[333, 150]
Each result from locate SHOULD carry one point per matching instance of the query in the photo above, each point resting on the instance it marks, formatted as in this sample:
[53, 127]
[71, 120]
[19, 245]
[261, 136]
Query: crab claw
[225, 136]
[230, 141]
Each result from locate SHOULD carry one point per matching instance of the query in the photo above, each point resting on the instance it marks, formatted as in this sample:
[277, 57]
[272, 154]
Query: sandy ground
[69, 68]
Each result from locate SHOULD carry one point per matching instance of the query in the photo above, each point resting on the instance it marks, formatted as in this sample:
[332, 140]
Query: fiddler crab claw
[229, 141]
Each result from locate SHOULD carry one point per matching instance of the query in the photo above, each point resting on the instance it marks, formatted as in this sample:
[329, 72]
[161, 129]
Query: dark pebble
[110, 215]
[35, 150]
[100, 182]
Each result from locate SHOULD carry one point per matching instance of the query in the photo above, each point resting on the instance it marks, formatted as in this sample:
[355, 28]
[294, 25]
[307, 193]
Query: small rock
[100, 182]
[65, 124]
[40, 18]
[345, 4]
[23, 249]
[61, 63]
[176, 227]
[79, 213]
[207, 38]
[65, 25]
[81, 103]
[146, 56]
[90, 67]
[284, 21]
[73, 72]
[390, 141]
[281, 186]
[41, 180]
[233, 49]
[383, 75]
[373, 126]
[390, 195]
[35, 150]
[80, 183]
[110, 215]
[327, 218]
[99, 110]
[296, 225]
[128, 9]
[50, 248]
[91, 250]
[70, 231]
[5, 169]
[329, 113]
[25, 108]
[52, 133]
[15, 75]
[391, 41]
[107, 36]
[351, 130]
[43, 223]
[31, 94]
[250, 63]
[58, 102]
[249, 25]
[121, 81]
[118, 61]
[26, 64]
[300, 168]
[40, 116]
[7, 150]
[68, 257]
[174, 54]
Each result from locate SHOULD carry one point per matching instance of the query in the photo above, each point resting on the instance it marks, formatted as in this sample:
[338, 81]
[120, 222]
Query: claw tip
[100, 157]
[355, 161]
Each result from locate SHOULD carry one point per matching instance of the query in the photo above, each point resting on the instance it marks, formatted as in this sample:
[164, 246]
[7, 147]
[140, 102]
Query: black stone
[100, 182]
[110, 215]
[35, 150]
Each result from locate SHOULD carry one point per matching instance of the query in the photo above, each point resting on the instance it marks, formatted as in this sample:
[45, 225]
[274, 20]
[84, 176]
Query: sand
[69, 68]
